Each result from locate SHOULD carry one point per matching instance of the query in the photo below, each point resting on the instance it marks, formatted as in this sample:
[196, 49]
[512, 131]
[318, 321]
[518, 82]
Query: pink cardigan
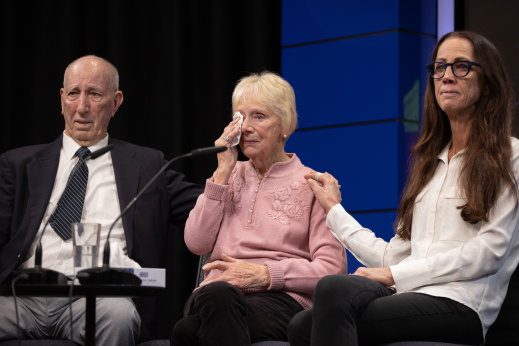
[275, 221]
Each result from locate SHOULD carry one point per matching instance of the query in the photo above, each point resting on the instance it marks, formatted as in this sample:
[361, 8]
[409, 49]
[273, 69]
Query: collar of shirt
[70, 147]
[278, 169]
[444, 155]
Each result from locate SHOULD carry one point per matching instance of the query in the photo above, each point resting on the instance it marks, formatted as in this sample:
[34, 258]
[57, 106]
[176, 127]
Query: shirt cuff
[410, 275]
[277, 276]
[215, 191]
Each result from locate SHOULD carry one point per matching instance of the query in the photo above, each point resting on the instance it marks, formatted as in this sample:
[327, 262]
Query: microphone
[99, 152]
[207, 150]
[107, 275]
[39, 275]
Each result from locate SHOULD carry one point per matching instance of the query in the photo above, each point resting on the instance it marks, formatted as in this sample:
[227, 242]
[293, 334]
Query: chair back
[200, 272]
[505, 330]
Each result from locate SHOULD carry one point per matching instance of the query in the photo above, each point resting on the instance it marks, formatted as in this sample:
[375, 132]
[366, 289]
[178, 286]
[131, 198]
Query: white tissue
[236, 139]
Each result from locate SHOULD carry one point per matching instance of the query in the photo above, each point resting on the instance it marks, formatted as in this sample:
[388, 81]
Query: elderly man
[32, 180]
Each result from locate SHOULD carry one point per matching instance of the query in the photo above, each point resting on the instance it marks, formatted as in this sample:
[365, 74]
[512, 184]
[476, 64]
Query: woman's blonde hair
[271, 91]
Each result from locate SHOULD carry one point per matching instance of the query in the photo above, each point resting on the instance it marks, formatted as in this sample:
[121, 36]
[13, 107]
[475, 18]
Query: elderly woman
[456, 242]
[260, 222]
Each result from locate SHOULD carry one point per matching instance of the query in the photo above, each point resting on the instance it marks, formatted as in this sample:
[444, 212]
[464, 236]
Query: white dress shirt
[101, 206]
[446, 256]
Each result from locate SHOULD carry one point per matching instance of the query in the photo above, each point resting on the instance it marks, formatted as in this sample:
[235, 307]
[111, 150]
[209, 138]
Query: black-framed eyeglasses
[459, 68]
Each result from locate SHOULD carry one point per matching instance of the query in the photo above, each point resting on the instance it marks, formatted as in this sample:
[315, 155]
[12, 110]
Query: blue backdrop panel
[414, 53]
[359, 63]
[315, 20]
[418, 16]
[363, 158]
[344, 81]
[381, 223]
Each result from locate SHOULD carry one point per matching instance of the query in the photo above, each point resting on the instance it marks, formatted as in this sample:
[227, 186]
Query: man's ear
[118, 100]
[61, 91]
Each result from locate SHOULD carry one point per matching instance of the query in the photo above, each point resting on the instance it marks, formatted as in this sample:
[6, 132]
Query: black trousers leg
[300, 328]
[339, 301]
[184, 332]
[269, 314]
[220, 314]
[353, 310]
[416, 316]
[216, 316]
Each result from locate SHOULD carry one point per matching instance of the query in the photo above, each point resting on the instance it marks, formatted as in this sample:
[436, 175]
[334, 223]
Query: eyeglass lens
[459, 69]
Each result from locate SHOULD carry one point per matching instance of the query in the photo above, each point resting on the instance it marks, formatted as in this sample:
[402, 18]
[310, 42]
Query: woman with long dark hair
[444, 275]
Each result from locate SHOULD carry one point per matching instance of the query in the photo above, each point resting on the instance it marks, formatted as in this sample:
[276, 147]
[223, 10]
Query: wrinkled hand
[380, 275]
[226, 159]
[239, 273]
[326, 189]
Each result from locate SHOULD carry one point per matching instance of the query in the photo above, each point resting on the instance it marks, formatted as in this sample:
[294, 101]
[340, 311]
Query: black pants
[352, 310]
[220, 314]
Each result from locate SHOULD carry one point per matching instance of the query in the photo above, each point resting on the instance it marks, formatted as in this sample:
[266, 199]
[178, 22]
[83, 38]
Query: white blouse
[446, 256]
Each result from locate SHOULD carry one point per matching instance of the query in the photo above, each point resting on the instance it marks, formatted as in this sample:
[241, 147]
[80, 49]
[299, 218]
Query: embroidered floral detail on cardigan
[238, 184]
[288, 203]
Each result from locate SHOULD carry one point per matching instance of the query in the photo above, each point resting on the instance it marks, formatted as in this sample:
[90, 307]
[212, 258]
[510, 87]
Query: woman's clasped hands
[239, 273]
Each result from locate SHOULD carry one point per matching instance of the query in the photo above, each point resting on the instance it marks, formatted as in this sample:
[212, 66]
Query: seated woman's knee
[340, 285]
[330, 285]
[184, 331]
[298, 330]
[220, 293]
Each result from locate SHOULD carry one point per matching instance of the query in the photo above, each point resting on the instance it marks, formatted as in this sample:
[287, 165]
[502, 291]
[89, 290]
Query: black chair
[70, 343]
[155, 343]
[38, 343]
[200, 278]
[505, 330]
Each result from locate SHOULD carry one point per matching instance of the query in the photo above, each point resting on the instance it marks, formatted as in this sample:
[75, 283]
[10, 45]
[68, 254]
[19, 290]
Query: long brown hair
[487, 157]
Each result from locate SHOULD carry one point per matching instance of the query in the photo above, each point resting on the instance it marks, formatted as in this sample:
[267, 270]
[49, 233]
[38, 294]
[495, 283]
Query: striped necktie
[70, 206]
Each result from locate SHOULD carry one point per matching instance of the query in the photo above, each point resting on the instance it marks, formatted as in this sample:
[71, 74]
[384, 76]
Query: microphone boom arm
[105, 274]
[106, 250]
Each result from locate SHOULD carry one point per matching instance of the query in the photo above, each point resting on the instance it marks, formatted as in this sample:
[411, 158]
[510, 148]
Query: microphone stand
[108, 275]
[38, 274]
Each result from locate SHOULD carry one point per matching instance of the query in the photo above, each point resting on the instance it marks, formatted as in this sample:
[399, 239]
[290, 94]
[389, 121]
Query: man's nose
[83, 103]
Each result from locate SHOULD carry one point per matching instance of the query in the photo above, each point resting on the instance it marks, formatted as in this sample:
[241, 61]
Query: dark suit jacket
[26, 179]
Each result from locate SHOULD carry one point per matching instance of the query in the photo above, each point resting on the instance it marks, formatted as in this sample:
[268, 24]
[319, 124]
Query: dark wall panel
[497, 21]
